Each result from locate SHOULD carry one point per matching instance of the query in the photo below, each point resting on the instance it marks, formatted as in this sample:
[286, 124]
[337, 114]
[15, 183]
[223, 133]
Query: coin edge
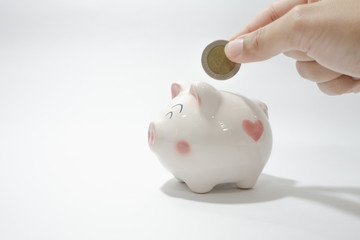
[206, 67]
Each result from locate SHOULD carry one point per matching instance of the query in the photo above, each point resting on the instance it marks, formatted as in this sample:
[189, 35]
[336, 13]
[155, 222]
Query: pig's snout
[151, 134]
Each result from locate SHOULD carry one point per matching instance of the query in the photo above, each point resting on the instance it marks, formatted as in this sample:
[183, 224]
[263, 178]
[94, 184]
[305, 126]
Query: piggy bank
[207, 137]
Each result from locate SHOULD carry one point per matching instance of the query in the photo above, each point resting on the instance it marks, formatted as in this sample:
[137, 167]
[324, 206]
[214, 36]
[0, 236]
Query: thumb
[277, 37]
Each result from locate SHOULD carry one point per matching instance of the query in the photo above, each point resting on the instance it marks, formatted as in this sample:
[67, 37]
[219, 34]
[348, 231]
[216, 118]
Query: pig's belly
[217, 168]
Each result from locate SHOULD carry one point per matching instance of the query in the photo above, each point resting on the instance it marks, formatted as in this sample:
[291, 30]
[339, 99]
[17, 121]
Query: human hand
[323, 36]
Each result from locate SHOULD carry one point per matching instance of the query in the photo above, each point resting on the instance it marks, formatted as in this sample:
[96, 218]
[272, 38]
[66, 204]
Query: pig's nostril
[151, 134]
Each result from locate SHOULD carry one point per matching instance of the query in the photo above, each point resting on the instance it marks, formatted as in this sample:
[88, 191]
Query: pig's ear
[176, 89]
[208, 98]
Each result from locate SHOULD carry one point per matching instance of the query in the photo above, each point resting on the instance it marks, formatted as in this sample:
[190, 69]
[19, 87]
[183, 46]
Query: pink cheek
[151, 134]
[183, 147]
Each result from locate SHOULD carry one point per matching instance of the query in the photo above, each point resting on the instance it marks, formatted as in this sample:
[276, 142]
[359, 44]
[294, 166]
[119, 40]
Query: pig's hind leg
[247, 183]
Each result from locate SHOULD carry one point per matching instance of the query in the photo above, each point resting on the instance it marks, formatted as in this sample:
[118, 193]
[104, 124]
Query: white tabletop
[81, 80]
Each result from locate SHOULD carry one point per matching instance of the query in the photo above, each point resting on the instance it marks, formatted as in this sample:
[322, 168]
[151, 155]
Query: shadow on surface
[270, 188]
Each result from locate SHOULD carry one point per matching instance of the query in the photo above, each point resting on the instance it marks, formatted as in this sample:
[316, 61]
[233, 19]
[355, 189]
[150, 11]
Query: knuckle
[256, 40]
[299, 24]
[298, 21]
[298, 11]
[272, 13]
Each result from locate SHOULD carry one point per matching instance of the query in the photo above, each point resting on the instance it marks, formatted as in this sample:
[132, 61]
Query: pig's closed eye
[181, 107]
[170, 114]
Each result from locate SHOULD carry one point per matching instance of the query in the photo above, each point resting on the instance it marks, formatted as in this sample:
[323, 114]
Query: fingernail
[234, 48]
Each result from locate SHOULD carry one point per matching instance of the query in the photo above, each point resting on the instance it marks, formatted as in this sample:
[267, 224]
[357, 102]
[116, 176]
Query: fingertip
[234, 49]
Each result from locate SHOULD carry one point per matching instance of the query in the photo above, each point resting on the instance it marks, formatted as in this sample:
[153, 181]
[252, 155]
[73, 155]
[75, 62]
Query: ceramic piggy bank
[207, 137]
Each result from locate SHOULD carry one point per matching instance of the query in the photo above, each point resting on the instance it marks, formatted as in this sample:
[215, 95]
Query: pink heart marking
[253, 129]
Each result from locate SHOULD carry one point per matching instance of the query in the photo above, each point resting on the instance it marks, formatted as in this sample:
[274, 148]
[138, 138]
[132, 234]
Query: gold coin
[215, 62]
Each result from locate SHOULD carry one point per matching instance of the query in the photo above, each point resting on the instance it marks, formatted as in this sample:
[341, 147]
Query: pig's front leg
[200, 186]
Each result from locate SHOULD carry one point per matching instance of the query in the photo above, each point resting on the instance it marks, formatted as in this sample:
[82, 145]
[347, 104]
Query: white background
[81, 80]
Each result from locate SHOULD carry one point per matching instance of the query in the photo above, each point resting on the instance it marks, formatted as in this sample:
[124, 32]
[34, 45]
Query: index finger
[274, 11]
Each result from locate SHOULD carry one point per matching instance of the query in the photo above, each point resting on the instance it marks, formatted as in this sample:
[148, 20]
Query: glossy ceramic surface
[206, 137]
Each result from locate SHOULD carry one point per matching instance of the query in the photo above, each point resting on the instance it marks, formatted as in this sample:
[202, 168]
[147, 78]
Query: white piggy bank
[208, 137]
